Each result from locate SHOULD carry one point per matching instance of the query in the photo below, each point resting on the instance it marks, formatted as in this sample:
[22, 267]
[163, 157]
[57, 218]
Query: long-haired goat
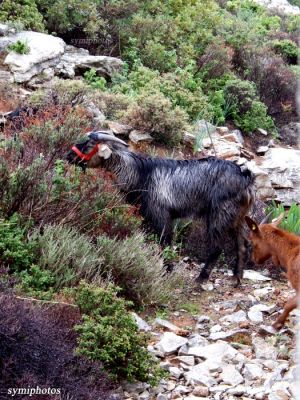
[216, 190]
[283, 247]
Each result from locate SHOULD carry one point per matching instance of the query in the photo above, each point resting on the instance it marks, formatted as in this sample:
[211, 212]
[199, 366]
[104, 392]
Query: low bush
[95, 81]
[153, 113]
[137, 267]
[24, 12]
[109, 334]
[247, 111]
[288, 49]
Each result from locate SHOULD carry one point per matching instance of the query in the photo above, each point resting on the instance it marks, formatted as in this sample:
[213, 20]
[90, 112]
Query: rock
[200, 374]
[197, 340]
[137, 136]
[201, 391]
[6, 30]
[263, 292]
[225, 150]
[145, 395]
[255, 276]
[239, 390]
[188, 360]
[161, 396]
[264, 350]
[142, 325]
[262, 132]
[118, 128]
[39, 58]
[222, 130]
[278, 395]
[77, 60]
[203, 319]
[291, 133]
[227, 335]
[255, 315]
[189, 138]
[137, 387]
[182, 389]
[283, 167]
[262, 150]
[231, 376]
[253, 371]
[282, 7]
[170, 343]
[263, 184]
[6, 76]
[166, 324]
[176, 372]
[216, 328]
[214, 352]
[207, 287]
[235, 318]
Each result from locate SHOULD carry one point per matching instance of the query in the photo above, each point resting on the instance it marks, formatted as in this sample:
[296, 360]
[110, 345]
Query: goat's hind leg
[289, 306]
[241, 245]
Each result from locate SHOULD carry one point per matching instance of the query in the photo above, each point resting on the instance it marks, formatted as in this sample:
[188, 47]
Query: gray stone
[137, 387]
[253, 371]
[119, 129]
[282, 7]
[255, 315]
[197, 340]
[231, 376]
[262, 131]
[142, 325]
[262, 150]
[170, 343]
[227, 335]
[237, 317]
[161, 396]
[45, 52]
[182, 389]
[216, 328]
[176, 372]
[263, 292]
[137, 136]
[203, 319]
[215, 351]
[255, 276]
[188, 360]
[6, 76]
[200, 374]
[263, 349]
[166, 324]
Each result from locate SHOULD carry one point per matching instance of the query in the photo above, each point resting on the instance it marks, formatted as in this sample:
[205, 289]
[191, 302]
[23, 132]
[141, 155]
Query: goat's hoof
[277, 325]
[237, 283]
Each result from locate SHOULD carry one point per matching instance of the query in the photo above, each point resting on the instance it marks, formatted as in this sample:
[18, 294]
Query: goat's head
[92, 152]
[258, 234]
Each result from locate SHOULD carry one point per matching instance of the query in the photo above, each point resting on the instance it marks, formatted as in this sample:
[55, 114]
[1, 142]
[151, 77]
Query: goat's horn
[102, 136]
[266, 219]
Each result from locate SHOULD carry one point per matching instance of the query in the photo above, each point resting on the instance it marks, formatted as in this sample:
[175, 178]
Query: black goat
[215, 190]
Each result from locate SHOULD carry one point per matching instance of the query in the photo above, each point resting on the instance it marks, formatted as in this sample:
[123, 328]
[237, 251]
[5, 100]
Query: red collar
[88, 156]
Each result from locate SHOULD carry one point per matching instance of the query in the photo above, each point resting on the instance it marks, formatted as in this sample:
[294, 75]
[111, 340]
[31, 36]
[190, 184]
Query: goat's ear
[252, 224]
[104, 151]
[275, 222]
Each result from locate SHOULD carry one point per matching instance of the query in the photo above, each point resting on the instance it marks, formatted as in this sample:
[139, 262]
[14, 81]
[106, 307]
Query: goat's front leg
[289, 306]
[241, 250]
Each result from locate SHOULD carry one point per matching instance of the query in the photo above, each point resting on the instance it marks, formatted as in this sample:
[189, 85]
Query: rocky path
[228, 351]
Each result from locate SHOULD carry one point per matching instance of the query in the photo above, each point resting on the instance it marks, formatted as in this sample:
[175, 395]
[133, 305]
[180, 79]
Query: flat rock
[137, 136]
[236, 317]
[262, 150]
[255, 276]
[200, 374]
[215, 351]
[252, 371]
[142, 325]
[119, 129]
[231, 376]
[227, 335]
[170, 343]
[264, 350]
[166, 324]
[188, 360]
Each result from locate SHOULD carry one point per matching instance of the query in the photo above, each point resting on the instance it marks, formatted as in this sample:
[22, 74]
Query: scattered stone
[215, 351]
[255, 276]
[189, 138]
[203, 319]
[216, 328]
[253, 371]
[142, 325]
[231, 376]
[263, 349]
[262, 131]
[207, 287]
[200, 374]
[263, 292]
[182, 389]
[222, 130]
[201, 391]
[239, 316]
[166, 324]
[119, 129]
[188, 360]
[227, 335]
[137, 387]
[137, 136]
[267, 330]
[161, 396]
[255, 315]
[262, 150]
[176, 372]
[170, 343]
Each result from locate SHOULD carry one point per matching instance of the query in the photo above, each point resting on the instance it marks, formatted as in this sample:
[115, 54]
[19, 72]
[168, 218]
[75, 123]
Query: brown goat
[283, 247]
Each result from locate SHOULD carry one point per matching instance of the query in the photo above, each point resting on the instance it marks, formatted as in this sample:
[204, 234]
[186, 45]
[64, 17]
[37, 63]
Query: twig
[45, 301]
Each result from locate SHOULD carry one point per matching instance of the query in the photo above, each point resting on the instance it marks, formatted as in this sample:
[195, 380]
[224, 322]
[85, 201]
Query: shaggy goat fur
[214, 190]
[283, 247]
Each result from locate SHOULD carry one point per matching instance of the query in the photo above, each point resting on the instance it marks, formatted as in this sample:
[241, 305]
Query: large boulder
[79, 60]
[283, 168]
[282, 7]
[45, 52]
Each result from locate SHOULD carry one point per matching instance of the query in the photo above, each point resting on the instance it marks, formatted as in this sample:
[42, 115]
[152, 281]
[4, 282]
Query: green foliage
[22, 11]
[137, 267]
[153, 113]
[109, 334]
[36, 282]
[19, 47]
[287, 48]
[291, 221]
[95, 81]
[247, 111]
[15, 250]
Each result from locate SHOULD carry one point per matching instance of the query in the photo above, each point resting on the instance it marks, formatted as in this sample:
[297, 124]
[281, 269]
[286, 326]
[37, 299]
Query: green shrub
[291, 221]
[95, 81]
[153, 113]
[68, 255]
[16, 251]
[36, 282]
[109, 334]
[19, 47]
[22, 11]
[288, 49]
[137, 267]
[247, 111]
